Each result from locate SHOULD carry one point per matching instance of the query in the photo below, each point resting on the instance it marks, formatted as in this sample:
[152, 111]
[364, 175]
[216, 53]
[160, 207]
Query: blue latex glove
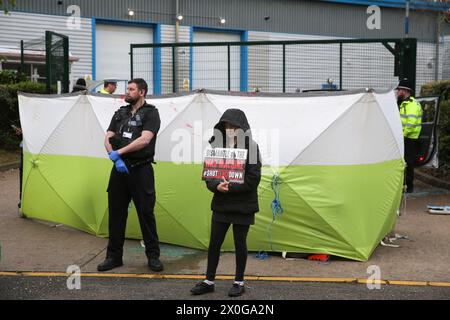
[120, 166]
[114, 156]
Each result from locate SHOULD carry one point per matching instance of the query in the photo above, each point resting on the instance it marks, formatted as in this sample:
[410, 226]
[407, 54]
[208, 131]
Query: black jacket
[241, 198]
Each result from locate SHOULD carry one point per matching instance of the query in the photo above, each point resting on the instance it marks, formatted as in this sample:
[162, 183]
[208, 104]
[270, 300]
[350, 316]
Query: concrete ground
[30, 245]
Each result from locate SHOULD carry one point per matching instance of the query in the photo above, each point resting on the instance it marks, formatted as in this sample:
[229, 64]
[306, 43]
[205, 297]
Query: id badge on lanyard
[127, 135]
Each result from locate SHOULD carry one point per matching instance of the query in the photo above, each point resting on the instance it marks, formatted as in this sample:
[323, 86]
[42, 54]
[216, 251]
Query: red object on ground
[319, 257]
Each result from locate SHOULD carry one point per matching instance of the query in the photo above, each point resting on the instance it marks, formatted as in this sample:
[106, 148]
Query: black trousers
[21, 175]
[139, 185]
[218, 232]
[411, 151]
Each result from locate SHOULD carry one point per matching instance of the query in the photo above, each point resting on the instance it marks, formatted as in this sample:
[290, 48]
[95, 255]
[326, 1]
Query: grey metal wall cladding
[24, 26]
[291, 16]
[146, 10]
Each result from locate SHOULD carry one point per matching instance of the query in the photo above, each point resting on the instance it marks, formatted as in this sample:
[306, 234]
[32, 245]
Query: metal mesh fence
[37, 45]
[142, 65]
[445, 59]
[279, 66]
[430, 66]
[368, 65]
[216, 67]
[30, 51]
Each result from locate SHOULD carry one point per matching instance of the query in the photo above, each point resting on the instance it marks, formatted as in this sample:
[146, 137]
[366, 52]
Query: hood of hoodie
[235, 117]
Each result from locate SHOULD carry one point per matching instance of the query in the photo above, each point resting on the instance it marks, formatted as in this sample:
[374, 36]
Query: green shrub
[9, 111]
[11, 76]
[437, 88]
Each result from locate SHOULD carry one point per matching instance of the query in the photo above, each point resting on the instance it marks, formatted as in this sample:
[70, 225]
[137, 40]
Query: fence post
[229, 68]
[22, 56]
[174, 81]
[284, 68]
[131, 61]
[340, 66]
[48, 69]
[66, 65]
[409, 58]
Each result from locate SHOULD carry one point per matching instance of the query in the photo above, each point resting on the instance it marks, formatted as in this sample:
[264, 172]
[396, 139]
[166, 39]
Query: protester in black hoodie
[232, 204]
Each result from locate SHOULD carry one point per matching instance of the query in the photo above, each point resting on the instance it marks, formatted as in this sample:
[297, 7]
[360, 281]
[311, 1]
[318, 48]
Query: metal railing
[275, 66]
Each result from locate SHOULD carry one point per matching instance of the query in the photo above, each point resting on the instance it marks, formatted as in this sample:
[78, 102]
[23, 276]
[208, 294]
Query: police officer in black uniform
[130, 143]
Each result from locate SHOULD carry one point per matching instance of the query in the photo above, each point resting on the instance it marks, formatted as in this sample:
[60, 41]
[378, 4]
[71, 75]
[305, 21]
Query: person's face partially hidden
[229, 129]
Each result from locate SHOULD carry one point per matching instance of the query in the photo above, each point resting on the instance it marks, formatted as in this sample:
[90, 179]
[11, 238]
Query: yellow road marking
[229, 277]
[439, 284]
[303, 279]
[366, 281]
[408, 283]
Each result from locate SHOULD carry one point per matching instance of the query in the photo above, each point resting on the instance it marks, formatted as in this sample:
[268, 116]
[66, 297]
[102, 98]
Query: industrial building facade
[101, 32]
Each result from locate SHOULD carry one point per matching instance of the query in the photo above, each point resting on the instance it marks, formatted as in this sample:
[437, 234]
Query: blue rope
[261, 255]
[276, 204]
[277, 210]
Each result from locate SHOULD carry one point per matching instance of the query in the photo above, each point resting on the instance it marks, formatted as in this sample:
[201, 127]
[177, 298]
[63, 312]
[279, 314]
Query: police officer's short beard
[131, 100]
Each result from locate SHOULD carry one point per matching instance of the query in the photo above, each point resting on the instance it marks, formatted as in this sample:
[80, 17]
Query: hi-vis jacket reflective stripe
[411, 116]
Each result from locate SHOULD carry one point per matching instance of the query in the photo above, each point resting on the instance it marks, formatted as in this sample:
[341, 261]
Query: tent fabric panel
[360, 136]
[42, 115]
[169, 108]
[79, 134]
[40, 201]
[323, 215]
[186, 137]
[295, 122]
[386, 101]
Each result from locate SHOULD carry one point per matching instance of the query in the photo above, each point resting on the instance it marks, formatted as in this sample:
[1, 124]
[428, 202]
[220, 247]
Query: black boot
[109, 264]
[236, 290]
[202, 288]
[155, 264]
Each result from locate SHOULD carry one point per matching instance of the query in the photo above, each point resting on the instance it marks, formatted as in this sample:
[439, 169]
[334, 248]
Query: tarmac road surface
[117, 288]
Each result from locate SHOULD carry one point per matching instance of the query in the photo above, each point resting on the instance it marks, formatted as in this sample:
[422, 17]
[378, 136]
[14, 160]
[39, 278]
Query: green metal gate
[57, 62]
[275, 66]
